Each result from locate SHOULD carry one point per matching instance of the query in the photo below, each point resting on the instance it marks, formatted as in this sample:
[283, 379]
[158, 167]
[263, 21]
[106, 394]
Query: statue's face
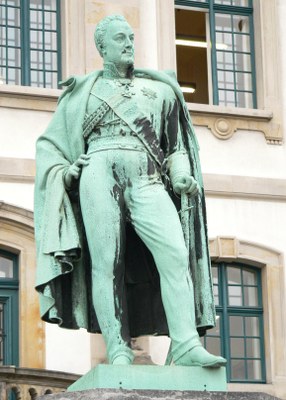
[119, 44]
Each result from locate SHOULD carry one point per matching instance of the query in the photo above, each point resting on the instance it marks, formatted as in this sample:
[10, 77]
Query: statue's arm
[177, 157]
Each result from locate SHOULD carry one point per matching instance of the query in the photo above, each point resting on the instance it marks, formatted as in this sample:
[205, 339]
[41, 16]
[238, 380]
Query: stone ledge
[120, 394]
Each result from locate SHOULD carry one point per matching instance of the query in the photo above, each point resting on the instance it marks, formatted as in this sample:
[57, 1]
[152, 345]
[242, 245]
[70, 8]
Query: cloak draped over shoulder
[63, 263]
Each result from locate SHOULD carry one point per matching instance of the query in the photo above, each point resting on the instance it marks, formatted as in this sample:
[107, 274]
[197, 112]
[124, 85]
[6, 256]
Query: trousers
[123, 183]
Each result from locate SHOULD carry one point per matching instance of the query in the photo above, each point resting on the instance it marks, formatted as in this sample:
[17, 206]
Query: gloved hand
[180, 174]
[73, 172]
[185, 183]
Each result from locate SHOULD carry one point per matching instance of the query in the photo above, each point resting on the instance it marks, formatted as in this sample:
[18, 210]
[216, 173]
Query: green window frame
[238, 335]
[30, 42]
[9, 309]
[232, 66]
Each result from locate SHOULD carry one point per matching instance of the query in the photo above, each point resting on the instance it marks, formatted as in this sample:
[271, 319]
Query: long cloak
[63, 263]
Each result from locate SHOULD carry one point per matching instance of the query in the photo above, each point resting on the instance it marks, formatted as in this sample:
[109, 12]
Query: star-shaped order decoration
[149, 93]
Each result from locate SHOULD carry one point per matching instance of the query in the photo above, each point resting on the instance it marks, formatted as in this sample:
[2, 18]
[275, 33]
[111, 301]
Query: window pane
[37, 78]
[216, 295]
[36, 39]
[47, 4]
[238, 369]
[226, 98]
[234, 275]
[224, 41]
[36, 59]
[6, 267]
[224, 60]
[243, 81]
[50, 21]
[250, 296]
[234, 296]
[253, 348]
[215, 274]
[241, 43]
[237, 347]
[216, 330]
[50, 40]
[252, 326]
[242, 62]
[15, 3]
[254, 369]
[225, 80]
[236, 326]
[213, 345]
[240, 3]
[14, 76]
[249, 277]
[36, 19]
[244, 99]
[13, 15]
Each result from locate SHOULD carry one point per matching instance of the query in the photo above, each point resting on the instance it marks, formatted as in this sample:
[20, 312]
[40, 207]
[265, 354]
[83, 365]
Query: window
[238, 335]
[30, 42]
[9, 314]
[215, 51]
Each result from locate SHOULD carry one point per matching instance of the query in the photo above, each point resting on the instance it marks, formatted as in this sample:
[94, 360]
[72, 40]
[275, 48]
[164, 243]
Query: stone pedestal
[121, 394]
[152, 377]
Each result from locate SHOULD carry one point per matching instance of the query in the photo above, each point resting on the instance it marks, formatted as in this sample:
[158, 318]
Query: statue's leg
[102, 210]
[156, 221]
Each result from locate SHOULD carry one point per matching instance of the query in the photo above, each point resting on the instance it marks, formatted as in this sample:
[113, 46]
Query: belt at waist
[115, 142]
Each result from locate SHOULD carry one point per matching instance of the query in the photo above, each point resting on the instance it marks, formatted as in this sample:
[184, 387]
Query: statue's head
[114, 39]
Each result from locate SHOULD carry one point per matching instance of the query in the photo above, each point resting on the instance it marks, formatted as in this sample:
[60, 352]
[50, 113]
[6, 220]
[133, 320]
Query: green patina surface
[152, 378]
[111, 167]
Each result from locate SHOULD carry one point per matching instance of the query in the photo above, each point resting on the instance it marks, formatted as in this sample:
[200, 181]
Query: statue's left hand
[186, 184]
[74, 170]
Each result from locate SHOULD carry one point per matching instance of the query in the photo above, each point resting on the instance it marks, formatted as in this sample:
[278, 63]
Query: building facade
[229, 56]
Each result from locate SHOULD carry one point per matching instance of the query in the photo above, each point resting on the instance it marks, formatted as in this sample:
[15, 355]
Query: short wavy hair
[100, 30]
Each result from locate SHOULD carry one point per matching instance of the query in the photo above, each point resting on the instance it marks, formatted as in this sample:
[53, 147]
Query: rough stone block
[121, 394]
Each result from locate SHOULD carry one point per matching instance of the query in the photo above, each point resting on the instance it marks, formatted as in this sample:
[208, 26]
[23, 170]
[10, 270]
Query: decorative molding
[224, 122]
[229, 248]
[16, 216]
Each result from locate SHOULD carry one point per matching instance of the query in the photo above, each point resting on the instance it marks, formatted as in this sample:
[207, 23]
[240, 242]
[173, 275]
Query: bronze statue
[111, 167]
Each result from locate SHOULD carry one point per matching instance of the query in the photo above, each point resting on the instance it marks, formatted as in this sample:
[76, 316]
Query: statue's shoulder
[166, 79]
[77, 82]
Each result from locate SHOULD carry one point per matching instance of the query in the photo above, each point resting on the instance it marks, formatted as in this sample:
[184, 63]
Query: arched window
[9, 309]
[238, 335]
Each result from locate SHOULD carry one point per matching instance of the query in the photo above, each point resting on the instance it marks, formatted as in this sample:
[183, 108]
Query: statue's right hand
[74, 170]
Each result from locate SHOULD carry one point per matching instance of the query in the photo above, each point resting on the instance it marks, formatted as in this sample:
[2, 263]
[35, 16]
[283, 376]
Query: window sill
[225, 121]
[29, 98]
